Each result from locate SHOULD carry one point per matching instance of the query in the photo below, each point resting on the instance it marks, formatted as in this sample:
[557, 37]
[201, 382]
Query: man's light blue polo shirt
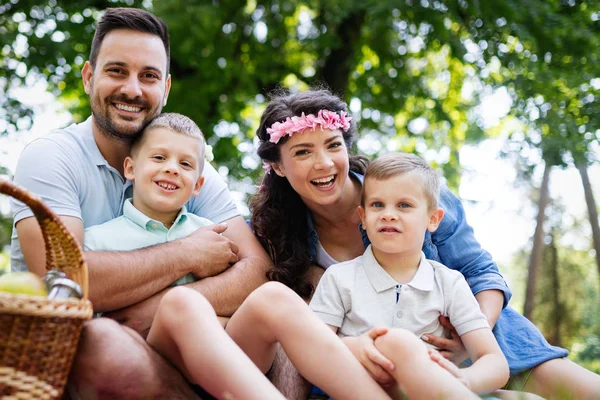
[134, 230]
[66, 169]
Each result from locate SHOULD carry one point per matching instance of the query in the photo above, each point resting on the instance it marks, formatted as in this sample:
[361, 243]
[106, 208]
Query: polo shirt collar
[381, 280]
[90, 143]
[145, 222]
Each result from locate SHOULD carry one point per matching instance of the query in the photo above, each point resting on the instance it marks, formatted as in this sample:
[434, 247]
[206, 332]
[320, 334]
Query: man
[78, 171]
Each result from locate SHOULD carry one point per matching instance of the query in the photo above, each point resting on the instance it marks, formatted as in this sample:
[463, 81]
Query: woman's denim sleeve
[458, 249]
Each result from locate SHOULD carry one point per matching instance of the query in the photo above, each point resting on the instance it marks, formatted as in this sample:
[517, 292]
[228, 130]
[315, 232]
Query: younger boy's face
[165, 171]
[396, 215]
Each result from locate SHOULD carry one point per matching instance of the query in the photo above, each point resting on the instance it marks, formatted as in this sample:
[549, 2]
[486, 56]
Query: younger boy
[393, 286]
[165, 165]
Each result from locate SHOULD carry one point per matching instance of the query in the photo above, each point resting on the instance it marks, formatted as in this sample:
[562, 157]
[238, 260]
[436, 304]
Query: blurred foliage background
[414, 73]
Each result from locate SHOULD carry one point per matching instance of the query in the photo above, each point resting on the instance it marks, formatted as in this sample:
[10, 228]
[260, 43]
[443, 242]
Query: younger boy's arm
[489, 371]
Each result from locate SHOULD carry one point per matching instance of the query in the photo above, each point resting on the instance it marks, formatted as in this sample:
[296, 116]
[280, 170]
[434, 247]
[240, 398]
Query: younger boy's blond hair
[394, 164]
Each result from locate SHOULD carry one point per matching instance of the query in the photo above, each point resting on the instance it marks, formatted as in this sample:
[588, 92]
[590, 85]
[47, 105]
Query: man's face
[128, 87]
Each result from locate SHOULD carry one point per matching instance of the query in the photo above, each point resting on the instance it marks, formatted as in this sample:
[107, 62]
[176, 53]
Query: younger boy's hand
[367, 354]
[449, 366]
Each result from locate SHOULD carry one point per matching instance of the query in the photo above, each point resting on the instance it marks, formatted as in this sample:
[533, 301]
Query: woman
[305, 214]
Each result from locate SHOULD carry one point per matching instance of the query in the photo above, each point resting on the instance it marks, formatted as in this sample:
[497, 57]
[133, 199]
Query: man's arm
[120, 279]
[225, 291]
[32, 241]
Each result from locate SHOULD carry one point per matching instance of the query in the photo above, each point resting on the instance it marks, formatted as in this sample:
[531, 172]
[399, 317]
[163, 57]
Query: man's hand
[453, 348]
[450, 367]
[209, 252]
[367, 354]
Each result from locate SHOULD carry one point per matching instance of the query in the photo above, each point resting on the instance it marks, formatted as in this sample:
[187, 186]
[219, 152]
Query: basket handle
[63, 252]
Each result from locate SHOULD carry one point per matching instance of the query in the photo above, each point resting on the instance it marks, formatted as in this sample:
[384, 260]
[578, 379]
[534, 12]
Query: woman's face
[316, 165]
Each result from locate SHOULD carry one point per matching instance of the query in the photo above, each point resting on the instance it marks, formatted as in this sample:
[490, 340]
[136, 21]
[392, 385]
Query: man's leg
[287, 379]
[114, 362]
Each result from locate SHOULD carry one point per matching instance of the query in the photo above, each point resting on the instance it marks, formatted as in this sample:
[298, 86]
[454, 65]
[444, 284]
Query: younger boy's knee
[401, 343]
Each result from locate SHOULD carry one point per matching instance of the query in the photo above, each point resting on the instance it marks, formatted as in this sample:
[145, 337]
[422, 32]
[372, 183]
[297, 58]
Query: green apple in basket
[23, 283]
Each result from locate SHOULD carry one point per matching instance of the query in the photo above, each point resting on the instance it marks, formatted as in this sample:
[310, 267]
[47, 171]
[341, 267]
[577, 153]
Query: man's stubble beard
[109, 129]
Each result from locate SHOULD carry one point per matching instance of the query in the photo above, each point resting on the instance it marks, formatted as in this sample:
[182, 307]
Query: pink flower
[326, 119]
[267, 167]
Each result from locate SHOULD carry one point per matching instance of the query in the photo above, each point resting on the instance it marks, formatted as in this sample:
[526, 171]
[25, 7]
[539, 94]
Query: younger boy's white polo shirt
[358, 295]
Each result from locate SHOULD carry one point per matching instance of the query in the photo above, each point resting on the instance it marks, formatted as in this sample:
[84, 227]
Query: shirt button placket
[398, 293]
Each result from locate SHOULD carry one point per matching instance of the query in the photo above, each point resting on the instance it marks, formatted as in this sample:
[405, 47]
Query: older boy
[165, 166]
[393, 286]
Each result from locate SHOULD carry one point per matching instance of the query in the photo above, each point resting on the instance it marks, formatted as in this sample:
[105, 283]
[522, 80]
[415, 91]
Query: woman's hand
[453, 348]
[375, 363]
[450, 367]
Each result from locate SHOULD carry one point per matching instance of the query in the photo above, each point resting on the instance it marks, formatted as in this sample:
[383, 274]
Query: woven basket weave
[38, 336]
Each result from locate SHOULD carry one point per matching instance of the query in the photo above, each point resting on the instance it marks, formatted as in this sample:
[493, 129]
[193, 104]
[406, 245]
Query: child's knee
[400, 343]
[181, 301]
[273, 296]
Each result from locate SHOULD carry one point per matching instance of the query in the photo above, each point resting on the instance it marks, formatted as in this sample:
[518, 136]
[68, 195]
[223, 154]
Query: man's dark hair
[129, 18]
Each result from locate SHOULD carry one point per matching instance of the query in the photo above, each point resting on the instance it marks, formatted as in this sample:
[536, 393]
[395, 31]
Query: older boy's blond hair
[177, 123]
[393, 164]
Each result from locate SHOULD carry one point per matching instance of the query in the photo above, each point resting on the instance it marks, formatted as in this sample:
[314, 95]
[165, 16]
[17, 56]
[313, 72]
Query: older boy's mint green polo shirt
[134, 230]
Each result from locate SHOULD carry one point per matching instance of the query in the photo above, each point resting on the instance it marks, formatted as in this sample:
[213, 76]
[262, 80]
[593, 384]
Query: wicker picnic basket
[38, 336]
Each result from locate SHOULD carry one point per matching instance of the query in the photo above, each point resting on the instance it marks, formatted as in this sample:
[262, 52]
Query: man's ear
[129, 168]
[198, 186]
[277, 168]
[434, 219]
[167, 89]
[86, 76]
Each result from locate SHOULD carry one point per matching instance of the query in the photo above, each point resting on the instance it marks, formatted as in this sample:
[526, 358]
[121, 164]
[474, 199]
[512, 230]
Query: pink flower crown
[325, 119]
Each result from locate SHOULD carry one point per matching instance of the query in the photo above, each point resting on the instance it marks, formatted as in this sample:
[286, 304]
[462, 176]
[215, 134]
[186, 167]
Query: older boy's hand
[453, 348]
[208, 252]
[367, 354]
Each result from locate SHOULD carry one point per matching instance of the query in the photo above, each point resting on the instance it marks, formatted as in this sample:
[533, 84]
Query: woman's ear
[277, 168]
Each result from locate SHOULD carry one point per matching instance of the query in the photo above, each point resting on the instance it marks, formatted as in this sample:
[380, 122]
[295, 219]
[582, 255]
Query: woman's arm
[455, 246]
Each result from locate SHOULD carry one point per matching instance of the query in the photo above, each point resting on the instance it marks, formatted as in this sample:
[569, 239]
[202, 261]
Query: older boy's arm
[225, 291]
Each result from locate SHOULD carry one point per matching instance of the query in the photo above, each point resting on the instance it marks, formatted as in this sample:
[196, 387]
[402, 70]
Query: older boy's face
[165, 171]
[396, 215]
[128, 86]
